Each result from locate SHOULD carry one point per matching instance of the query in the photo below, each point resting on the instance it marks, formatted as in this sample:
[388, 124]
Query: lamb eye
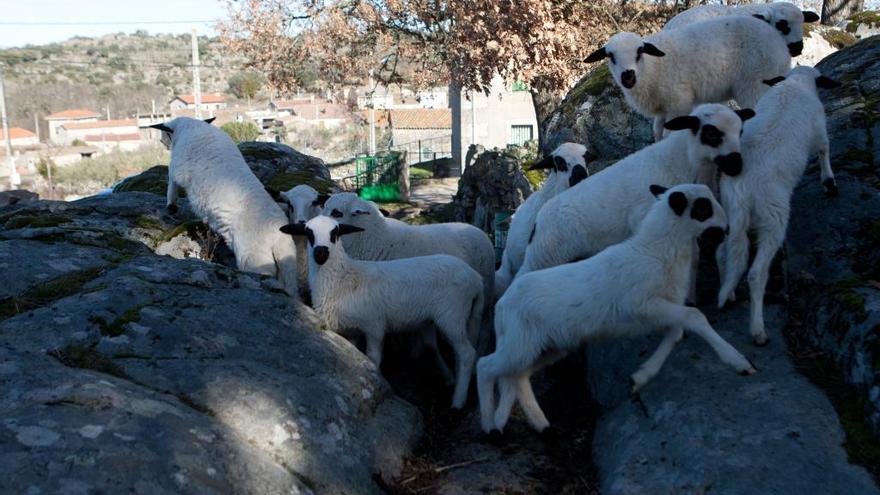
[336, 213]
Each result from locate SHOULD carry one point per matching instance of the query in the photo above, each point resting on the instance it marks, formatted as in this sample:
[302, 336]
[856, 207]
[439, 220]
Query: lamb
[378, 297]
[567, 164]
[707, 62]
[301, 204]
[223, 191]
[606, 208]
[629, 289]
[389, 239]
[786, 17]
[777, 145]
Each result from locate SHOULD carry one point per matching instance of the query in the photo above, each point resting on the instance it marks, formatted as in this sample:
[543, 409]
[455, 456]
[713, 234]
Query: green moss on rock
[148, 223]
[117, 327]
[869, 17]
[35, 221]
[47, 292]
[192, 227]
[153, 180]
[593, 84]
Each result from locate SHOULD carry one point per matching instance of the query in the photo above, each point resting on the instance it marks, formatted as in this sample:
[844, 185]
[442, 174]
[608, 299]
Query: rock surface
[121, 370]
[833, 259]
[493, 183]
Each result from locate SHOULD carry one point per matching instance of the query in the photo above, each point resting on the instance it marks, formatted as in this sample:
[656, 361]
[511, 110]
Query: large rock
[125, 371]
[276, 165]
[833, 260]
[493, 183]
[705, 429]
[595, 114]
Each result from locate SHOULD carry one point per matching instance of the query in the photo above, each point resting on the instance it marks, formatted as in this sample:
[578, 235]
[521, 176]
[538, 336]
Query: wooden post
[403, 180]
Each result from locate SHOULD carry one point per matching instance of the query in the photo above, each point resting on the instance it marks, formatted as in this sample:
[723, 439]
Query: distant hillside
[123, 72]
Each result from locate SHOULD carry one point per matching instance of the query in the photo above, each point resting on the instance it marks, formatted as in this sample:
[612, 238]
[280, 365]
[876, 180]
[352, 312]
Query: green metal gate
[377, 177]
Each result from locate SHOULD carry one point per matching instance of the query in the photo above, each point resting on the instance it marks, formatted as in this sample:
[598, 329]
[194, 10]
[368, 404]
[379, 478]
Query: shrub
[241, 131]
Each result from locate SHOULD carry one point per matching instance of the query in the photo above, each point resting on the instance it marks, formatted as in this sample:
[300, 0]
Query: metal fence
[433, 154]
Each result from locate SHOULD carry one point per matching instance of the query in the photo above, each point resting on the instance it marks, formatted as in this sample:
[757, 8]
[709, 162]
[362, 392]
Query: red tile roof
[79, 113]
[421, 118]
[112, 137]
[206, 98]
[101, 124]
[17, 133]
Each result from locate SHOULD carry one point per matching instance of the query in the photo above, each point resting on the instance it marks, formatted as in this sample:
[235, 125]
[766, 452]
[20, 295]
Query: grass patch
[116, 327]
[148, 223]
[839, 39]
[43, 294]
[103, 171]
[35, 221]
[869, 17]
[83, 357]
[417, 173]
[194, 228]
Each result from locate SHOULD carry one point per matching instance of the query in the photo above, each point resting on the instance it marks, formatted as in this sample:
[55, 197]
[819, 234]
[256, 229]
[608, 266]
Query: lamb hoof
[171, 209]
[761, 341]
[635, 385]
[830, 187]
[751, 370]
[495, 437]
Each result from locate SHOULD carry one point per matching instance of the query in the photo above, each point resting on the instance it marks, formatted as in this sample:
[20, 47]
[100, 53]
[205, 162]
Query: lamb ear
[589, 156]
[276, 195]
[826, 83]
[810, 16]
[162, 127]
[759, 16]
[560, 163]
[544, 164]
[208, 121]
[773, 82]
[745, 114]
[657, 190]
[384, 212]
[596, 56]
[650, 49]
[322, 198]
[345, 228]
[684, 122]
[678, 202]
[294, 229]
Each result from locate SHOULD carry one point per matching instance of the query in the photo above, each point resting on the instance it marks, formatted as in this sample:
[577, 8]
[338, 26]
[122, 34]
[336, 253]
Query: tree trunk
[544, 102]
[834, 11]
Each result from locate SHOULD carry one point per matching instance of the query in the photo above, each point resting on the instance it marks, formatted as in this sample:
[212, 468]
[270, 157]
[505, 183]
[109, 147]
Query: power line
[100, 23]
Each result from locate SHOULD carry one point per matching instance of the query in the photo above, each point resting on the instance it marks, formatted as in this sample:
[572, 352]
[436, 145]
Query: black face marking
[628, 79]
[334, 234]
[702, 209]
[759, 16]
[532, 235]
[311, 236]
[776, 80]
[321, 253]
[578, 173]
[795, 48]
[783, 27]
[657, 190]
[611, 57]
[322, 198]
[560, 163]
[336, 213]
[678, 202]
[711, 136]
[712, 236]
[639, 51]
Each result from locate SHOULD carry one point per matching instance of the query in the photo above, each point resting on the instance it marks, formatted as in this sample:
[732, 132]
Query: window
[519, 86]
[519, 134]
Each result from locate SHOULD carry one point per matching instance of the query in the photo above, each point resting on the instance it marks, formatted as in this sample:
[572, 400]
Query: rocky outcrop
[123, 370]
[17, 195]
[493, 183]
[833, 262]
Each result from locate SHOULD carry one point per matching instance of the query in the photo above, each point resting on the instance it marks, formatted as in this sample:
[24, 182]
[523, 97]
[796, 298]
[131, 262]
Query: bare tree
[834, 11]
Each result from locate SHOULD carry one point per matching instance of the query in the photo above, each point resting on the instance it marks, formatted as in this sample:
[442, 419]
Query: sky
[39, 22]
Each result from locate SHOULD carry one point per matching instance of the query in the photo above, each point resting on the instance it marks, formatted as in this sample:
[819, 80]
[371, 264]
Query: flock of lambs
[610, 255]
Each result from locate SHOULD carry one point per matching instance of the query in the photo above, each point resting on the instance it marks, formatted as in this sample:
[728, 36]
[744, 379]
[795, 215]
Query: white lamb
[567, 164]
[777, 145]
[301, 204]
[710, 61]
[606, 208]
[632, 288]
[786, 17]
[223, 191]
[377, 297]
[389, 239]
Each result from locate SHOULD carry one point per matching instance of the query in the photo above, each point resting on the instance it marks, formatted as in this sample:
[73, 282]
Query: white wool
[629, 289]
[777, 145]
[785, 17]
[377, 297]
[225, 194]
[607, 207]
[523, 221]
[301, 203]
[387, 238]
[709, 61]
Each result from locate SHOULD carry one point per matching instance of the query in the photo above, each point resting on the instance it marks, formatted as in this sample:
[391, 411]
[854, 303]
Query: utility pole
[197, 84]
[372, 117]
[14, 178]
[37, 127]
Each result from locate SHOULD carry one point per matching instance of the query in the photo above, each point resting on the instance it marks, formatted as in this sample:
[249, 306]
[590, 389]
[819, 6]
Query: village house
[105, 134]
[505, 117]
[210, 102]
[57, 119]
[424, 133]
[19, 137]
[315, 113]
